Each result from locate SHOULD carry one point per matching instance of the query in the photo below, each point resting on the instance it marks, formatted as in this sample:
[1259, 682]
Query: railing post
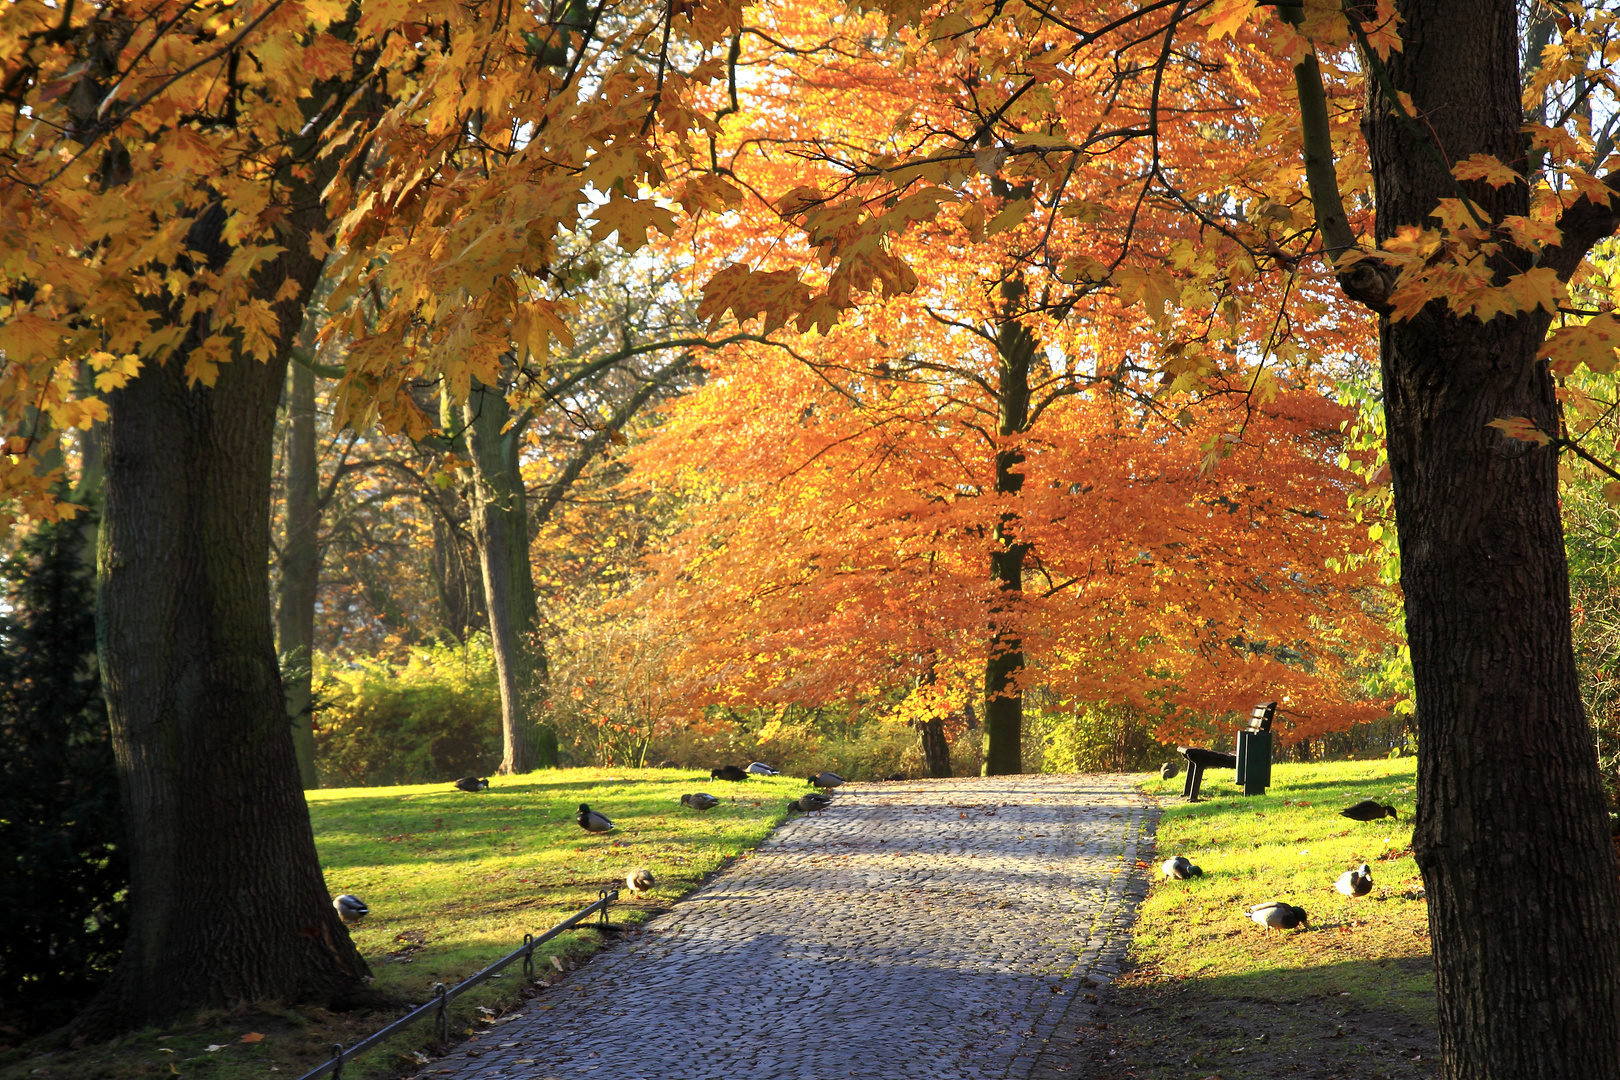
[337, 1056]
[442, 1021]
[602, 898]
[528, 958]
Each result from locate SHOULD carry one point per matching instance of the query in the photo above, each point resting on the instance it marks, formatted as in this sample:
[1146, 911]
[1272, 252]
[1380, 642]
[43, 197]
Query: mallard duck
[827, 780]
[350, 908]
[727, 772]
[759, 768]
[1168, 770]
[700, 800]
[639, 880]
[1180, 868]
[1368, 810]
[1278, 915]
[813, 801]
[472, 784]
[1357, 882]
[591, 821]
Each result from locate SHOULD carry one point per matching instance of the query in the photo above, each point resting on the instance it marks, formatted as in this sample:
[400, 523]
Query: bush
[436, 717]
[63, 876]
[1099, 738]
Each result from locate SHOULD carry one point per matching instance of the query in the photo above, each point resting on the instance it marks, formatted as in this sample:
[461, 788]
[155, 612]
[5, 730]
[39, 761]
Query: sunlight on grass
[1291, 844]
[455, 880]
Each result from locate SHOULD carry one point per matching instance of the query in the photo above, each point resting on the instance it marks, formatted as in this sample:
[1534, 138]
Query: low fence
[333, 1066]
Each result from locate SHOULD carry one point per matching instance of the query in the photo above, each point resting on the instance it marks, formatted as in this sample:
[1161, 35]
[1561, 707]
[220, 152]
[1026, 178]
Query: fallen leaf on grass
[252, 1037]
[211, 1047]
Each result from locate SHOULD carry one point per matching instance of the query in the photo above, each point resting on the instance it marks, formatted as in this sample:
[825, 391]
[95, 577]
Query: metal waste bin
[1254, 761]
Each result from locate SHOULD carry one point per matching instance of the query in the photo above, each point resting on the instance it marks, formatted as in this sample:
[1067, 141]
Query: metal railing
[333, 1066]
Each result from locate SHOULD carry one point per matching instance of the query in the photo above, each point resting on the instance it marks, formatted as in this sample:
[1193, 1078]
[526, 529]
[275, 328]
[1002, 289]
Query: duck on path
[1368, 810]
[350, 908]
[639, 880]
[1168, 770]
[828, 780]
[700, 800]
[727, 772]
[759, 768]
[1357, 882]
[813, 801]
[1278, 915]
[1180, 868]
[591, 821]
[472, 784]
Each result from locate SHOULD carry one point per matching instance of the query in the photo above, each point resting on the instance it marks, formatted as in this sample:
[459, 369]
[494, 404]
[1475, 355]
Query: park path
[938, 928]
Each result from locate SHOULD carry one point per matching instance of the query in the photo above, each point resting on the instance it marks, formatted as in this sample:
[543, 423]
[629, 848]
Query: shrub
[1100, 738]
[436, 717]
[63, 876]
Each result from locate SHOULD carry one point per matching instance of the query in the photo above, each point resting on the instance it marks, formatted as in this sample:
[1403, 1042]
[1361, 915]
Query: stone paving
[936, 928]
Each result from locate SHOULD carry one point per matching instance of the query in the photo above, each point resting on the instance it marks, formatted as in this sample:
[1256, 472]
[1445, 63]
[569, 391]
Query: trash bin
[1254, 761]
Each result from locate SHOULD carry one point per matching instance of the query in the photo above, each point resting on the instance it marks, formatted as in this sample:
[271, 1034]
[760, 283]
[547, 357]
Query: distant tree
[63, 874]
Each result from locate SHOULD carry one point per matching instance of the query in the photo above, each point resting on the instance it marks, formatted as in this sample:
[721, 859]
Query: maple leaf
[1487, 168]
[1224, 17]
[631, 219]
[1592, 343]
[1521, 428]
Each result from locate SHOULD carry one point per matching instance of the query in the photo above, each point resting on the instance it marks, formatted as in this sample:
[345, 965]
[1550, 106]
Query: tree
[998, 265]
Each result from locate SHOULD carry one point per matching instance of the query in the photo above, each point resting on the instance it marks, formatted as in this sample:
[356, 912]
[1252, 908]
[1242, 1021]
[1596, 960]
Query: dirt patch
[1150, 1027]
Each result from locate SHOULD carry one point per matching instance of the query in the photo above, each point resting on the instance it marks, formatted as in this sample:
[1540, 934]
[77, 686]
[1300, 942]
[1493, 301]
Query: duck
[1368, 810]
[813, 801]
[1180, 868]
[1278, 915]
[1168, 770]
[640, 880]
[828, 780]
[700, 800]
[472, 784]
[759, 768]
[1357, 882]
[727, 772]
[895, 776]
[350, 908]
[591, 821]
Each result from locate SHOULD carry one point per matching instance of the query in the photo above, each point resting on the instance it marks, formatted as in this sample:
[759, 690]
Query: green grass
[454, 881]
[1358, 981]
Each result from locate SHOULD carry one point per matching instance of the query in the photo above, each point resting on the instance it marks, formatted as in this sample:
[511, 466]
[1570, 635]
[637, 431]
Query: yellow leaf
[1012, 214]
[1521, 428]
[631, 218]
[1611, 491]
[1224, 17]
[1591, 343]
[1535, 288]
[1487, 168]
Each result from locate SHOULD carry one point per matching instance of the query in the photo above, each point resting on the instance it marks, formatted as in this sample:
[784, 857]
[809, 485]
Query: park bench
[1252, 761]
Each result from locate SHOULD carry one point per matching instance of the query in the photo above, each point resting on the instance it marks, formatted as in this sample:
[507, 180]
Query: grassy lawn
[454, 881]
[1214, 993]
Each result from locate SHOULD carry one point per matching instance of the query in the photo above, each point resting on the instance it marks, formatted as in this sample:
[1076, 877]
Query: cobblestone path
[938, 928]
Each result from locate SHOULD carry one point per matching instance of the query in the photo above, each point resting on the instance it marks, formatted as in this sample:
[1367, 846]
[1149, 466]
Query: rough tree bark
[229, 903]
[300, 564]
[1511, 825]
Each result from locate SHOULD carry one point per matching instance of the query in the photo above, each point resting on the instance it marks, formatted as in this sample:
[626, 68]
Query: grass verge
[1212, 994]
[454, 881]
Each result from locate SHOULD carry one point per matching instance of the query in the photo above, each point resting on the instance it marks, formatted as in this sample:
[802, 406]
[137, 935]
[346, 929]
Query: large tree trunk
[229, 904]
[300, 564]
[936, 750]
[1003, 696]
[499, 510]
[1511, 830]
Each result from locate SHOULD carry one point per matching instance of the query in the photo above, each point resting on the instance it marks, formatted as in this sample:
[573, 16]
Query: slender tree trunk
[936, 751]
[1511, 830]
[499, 509]
[229, 903]
[300, 564]
[1003, 697]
